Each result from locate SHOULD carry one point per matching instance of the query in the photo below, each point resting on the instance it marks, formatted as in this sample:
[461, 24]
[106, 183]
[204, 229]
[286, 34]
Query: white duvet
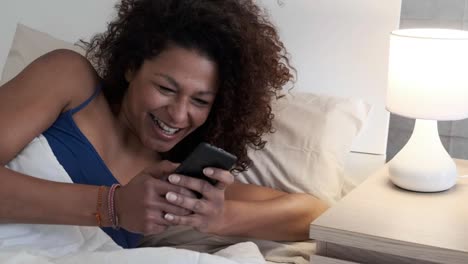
[21, 243]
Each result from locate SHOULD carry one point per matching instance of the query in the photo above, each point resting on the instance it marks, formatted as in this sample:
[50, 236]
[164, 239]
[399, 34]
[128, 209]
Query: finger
[173, 209]
[194, 205]
[154, 214]
[182, 220]
[186, 192]
[223, 177]
[201, 186]
[163, 187]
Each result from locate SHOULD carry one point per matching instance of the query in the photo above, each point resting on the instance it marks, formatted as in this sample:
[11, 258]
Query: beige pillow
[29, 44]
[306, 154]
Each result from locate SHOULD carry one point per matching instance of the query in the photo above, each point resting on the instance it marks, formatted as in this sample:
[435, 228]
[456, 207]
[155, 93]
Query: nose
[178, 111]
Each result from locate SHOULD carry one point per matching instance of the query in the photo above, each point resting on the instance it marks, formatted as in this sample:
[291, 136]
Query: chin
[160, 148]
[160, 145]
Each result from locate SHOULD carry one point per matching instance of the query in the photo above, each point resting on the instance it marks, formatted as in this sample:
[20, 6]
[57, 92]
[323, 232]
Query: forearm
[27, 199]
[285, 218]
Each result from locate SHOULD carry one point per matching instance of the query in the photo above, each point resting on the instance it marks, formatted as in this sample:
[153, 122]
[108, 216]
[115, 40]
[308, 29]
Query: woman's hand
[141, 204]
[208, 211]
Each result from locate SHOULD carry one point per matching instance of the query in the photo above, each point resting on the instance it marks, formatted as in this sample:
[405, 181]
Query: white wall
[65, 19]
[339, 47]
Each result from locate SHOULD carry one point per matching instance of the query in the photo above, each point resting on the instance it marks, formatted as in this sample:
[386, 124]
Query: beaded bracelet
[114, 219]
[97, 214]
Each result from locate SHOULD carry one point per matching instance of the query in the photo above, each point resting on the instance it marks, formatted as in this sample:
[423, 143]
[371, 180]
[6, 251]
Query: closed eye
[166, 90]
[201, 102]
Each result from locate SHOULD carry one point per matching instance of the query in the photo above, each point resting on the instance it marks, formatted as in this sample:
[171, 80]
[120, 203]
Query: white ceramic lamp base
[423, 165]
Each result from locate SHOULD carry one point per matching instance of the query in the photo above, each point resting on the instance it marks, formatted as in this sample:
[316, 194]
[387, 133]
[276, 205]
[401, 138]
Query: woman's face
[169, 97]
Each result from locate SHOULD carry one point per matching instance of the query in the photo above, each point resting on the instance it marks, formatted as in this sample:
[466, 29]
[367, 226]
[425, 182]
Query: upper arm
[249, 192]
[33, 100]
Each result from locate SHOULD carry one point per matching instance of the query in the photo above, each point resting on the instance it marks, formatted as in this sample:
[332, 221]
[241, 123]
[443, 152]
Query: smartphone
[206, 155]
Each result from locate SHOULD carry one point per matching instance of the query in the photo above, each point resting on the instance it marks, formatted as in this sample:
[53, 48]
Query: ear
[129, 75]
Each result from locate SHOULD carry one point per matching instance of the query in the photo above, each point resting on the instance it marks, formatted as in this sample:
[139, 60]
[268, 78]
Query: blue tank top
[82, 162]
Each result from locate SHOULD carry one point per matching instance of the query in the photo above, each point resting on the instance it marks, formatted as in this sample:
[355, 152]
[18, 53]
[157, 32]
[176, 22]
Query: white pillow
[306, 154]
[28, 45]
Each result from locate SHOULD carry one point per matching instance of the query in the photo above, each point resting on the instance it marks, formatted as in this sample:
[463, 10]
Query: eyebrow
[169, 79]
[176, 84]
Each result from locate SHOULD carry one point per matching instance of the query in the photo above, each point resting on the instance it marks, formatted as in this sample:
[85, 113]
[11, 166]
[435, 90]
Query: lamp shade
[428, 74]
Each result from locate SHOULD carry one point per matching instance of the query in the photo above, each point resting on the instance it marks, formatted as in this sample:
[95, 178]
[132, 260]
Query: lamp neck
[425, 131]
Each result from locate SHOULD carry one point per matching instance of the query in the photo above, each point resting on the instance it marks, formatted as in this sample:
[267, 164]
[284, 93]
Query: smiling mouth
[166, 129]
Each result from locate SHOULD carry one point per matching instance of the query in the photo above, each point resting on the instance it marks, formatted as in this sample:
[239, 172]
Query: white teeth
[165, 128]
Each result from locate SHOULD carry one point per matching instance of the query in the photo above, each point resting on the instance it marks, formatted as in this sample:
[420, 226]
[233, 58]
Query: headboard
[339, 47]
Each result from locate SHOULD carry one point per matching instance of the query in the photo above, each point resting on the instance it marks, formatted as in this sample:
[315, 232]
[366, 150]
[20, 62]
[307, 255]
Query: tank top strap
[85, 103]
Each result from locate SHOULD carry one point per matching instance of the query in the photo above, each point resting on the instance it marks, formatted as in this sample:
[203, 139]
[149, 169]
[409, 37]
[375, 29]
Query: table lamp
[428, 81]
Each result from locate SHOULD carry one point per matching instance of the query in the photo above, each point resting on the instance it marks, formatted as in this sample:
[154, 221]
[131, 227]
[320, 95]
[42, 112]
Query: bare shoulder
[68, 59]
[52, 84]
[65, 72]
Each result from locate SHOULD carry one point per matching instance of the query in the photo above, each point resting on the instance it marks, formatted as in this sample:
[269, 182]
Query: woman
[169, 74]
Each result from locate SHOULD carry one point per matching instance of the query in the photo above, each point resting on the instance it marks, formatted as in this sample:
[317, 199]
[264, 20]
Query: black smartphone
[206, 155]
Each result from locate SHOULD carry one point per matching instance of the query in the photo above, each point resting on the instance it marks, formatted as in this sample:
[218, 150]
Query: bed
[339, 129]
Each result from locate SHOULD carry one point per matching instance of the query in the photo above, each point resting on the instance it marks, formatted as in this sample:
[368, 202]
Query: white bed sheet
[243, 253]
[23, 243]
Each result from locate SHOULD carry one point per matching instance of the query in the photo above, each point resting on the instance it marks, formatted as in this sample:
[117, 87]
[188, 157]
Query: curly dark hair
[252, 63]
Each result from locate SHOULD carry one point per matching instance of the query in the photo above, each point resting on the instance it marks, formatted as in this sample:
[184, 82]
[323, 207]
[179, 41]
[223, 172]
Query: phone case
[206, 155]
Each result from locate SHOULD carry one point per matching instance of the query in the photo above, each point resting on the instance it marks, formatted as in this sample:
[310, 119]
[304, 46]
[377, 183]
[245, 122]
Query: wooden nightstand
[381, 223]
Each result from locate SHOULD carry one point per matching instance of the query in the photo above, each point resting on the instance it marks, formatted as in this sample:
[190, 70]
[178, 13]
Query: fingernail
[208, 171]
[171, 196]
[169, 217]
[174, 178]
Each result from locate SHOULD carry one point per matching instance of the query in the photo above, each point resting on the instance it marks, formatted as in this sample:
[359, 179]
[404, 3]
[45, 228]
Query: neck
[129, 141]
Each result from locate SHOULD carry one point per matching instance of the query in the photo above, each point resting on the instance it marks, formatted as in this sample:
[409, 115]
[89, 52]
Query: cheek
[201, 117]
[150, 98]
